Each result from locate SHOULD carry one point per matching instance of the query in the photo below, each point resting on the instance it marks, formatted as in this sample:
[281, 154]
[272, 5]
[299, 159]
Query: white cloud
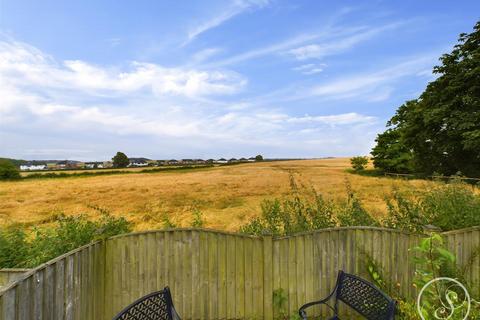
[25, 65]
[74, 105]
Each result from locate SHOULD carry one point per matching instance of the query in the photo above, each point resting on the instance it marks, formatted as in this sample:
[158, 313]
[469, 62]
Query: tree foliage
[8, 170]
[359, 163]
[258, 157]
[439, 131]
[120, 160]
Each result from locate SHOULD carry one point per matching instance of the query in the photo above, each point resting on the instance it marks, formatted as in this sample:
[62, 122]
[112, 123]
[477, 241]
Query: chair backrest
[364, 297]
[154, 306]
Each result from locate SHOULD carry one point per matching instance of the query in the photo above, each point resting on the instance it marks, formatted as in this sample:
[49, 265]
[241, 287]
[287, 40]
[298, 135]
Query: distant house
[33, 165]
[242, 160]
[94, 165]
[199, 161]
[221, 160]
[107, 164]
[232, 160]
[187, 161]
[67, 164]
[251, 159]
[172, 162]
[138, 162]
[61, 164]
[210, 161]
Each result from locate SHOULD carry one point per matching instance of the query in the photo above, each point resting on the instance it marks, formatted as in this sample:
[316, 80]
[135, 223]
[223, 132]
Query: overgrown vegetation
[447, 206]
[280, 306]
[28, 248]
[439, 131]
[432, 260]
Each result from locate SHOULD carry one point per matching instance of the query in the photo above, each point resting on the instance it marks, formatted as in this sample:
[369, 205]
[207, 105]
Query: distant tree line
[439, 132]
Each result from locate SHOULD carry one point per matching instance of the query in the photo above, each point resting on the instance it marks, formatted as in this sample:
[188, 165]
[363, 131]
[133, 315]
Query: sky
[207, 79]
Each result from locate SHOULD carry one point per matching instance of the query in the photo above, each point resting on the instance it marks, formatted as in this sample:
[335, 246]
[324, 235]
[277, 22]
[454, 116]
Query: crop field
[227, 197]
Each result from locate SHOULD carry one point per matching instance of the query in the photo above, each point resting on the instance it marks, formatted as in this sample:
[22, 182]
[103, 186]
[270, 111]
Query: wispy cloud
[371, 86]
[311, 68]
[329, 40]
[234, 9]
[340, 43]
[368, 84]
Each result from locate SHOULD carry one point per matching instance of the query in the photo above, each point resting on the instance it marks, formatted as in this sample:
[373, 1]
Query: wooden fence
[216, 275]
[10, 275]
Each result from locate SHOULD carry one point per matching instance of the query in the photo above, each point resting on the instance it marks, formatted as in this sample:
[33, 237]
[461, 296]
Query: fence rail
[413, 176]
[216, 275]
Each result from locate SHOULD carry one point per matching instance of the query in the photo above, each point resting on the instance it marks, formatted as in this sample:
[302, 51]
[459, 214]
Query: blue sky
[182, 79]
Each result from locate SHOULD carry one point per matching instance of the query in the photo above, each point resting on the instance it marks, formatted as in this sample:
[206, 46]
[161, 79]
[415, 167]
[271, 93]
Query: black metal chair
[358, 294]
[154, 306]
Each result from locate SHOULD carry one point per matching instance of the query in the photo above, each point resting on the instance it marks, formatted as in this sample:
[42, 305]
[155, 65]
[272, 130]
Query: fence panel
[64, 288]
[218, 275]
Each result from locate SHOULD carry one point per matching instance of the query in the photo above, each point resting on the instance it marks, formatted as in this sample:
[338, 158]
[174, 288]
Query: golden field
[228, 196]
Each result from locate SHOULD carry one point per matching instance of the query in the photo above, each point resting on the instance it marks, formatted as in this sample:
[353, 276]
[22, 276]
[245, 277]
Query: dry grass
[227, 196]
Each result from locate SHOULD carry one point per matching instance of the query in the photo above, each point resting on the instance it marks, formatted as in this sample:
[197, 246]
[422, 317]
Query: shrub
[14, 249]
[448, 206]
[359, 163]
[22, 249]
[306, 211]
[352, 213]
[8, 171]
[404, 213]
[291, 215]
[452, 206]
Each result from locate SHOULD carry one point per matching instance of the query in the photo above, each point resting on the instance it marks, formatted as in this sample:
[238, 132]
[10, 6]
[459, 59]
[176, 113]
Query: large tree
[439, 131]
[120, 160]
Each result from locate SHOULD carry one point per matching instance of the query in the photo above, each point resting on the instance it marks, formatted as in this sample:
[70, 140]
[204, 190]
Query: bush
[8, 171]
[292, 215]
[452, 206]
[352, 213]
[359, 163]
[447, 206]
[22, 249]
[404, 213]
[307, 211]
